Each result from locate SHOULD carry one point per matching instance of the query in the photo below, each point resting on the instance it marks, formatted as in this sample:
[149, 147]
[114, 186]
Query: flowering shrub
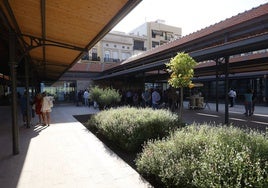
[130, 127]
[105, 98]
[207, 156]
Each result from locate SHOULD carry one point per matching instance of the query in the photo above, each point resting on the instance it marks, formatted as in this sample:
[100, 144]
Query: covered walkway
[65, 154]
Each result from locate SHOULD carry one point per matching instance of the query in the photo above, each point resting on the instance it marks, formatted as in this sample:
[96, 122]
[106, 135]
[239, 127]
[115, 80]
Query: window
[156, 32]
[138, 45]
[153, 34]
[125, 56]
[106, 56]
[94, 54]
[115, 45]
[155, 44]
[115, 55]
[168, 36]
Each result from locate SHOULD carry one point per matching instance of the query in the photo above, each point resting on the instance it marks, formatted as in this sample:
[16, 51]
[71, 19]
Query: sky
[190, 15]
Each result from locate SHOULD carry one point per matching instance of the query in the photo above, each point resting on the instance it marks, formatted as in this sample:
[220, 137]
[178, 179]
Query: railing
[90, 58]
[139, 48]
[111, 60]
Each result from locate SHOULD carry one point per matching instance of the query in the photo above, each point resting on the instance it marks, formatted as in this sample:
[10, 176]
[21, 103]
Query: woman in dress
[38, 106]
[46, 108]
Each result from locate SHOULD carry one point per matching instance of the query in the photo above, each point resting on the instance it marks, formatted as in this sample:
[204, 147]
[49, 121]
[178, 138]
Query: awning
[54, 34]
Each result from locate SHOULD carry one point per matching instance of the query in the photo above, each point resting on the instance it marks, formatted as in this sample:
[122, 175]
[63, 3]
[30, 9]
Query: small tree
[181, 68]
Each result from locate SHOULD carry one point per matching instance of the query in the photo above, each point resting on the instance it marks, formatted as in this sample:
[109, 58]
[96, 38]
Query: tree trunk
[181, 103]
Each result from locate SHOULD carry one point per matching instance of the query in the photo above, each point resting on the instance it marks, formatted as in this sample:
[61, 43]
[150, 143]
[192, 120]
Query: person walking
[80, 98]
[146, 98]
[129, 99]
[155, 99]
[86, 96]
[135, 98]
[248, 102]
[38, 106]
[24, 107]
[232, 95]
[47, 104]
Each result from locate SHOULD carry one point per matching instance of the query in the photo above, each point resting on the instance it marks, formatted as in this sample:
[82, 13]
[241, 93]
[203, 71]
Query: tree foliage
[181, 69]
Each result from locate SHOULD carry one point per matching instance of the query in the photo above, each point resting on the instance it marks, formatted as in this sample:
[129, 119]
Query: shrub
[130, 127]
[109, 97]
[95, 93]
[105, 97]
[206, 156]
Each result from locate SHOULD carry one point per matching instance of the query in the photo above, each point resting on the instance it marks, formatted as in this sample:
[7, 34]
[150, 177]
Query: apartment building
[118, 46]
[157, 33]
[115, 47]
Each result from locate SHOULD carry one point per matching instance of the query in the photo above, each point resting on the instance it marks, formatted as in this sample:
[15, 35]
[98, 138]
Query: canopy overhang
[53, 35]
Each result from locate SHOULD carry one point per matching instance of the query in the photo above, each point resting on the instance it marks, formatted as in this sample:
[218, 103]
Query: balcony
[139, 48]
[111, 60]
[90, 58]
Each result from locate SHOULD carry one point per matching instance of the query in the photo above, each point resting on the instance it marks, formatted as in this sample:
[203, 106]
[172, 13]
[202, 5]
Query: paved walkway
[67, 155]
[63, 155]
[258, 121]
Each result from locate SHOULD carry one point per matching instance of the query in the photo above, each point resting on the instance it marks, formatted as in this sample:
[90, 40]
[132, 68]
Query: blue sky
[190, 15]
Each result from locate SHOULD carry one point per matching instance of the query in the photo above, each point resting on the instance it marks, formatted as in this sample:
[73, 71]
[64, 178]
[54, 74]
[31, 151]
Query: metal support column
[28, 112]
[143, 77]
[13, 66]
[226, 90]
[217, 85]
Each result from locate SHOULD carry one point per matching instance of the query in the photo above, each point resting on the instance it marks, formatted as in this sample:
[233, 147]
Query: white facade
[118, 46]
[157, 33]
[115, 47]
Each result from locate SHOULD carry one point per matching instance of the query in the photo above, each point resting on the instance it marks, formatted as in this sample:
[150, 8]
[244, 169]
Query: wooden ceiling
[56, 33]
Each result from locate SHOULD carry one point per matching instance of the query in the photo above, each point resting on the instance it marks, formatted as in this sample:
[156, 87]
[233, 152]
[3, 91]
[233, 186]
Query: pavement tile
[65, 154]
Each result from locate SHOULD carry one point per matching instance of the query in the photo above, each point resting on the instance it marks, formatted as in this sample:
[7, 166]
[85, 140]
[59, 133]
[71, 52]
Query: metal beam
[143, 68]
[257, 42]
[43, 22]
[37, 42]
[4, 19]
[12, 17]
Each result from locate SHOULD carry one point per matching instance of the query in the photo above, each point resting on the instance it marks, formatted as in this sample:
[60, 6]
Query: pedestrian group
[41, 105]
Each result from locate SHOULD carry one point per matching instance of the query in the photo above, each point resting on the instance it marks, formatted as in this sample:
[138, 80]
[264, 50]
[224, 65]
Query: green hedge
[207, 156]
[130, 127]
